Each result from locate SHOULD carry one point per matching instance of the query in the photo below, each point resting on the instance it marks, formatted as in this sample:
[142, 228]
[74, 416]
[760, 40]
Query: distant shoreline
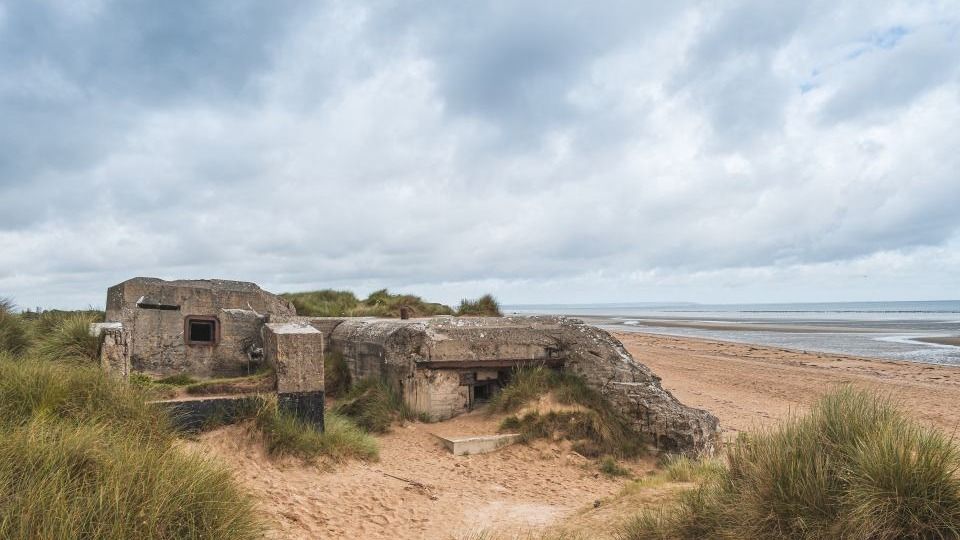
[948, 340]
[749, 327]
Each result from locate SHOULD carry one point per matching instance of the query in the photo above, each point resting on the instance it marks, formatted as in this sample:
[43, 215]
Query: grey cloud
[436, 144]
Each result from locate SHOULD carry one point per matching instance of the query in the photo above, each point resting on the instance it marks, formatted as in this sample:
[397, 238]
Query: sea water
[872, 329]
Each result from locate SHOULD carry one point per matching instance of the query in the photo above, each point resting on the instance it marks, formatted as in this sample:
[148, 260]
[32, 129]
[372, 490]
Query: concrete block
[464, 446]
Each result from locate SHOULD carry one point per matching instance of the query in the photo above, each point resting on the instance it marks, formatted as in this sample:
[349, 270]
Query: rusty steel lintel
[492, 363]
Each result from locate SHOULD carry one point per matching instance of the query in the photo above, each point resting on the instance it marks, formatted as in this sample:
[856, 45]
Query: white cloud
[721, 154]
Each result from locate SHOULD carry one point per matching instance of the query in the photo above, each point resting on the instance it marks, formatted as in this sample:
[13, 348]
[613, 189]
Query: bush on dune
[485, 306]
[854, 467]
[68, 339]
[82, 456]
[14, 333]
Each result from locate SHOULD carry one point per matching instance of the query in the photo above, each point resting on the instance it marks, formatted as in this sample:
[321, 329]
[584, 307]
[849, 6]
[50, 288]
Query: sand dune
[529, 488]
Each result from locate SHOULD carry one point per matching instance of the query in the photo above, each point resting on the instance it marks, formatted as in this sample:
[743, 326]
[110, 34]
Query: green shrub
[69, 339]
[82, 456]
[374, 405]
[485, 306]
[610, 467]
[854, 467]
[286, 435]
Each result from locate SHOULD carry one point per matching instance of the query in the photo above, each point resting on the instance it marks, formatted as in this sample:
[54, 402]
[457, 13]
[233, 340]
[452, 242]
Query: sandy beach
[749, 385]
[419, 490]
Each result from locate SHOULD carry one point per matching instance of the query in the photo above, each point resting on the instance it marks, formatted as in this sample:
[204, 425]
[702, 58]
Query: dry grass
[82, 456]
[485, 306]
[854, 467]
[340, 440]
[596, 430]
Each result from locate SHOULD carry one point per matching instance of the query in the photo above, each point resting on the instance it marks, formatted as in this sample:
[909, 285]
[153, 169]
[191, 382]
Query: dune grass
[598, 429]
[83, 456]
[854, 467]
[14, 332]
[485, 306]
[68, 338]
[286, 435]
[330, 303]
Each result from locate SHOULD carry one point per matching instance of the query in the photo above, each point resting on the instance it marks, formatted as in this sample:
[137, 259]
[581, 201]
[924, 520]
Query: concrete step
[477, 444]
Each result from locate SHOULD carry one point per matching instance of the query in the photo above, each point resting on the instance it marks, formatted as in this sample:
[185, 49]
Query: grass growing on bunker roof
[595, 427]
[330, 303]
[854, 467]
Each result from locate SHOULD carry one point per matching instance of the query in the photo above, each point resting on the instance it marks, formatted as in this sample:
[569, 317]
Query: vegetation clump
[340, 440]
[854, 467]
[596, 428]
[382, 303]
[83, 456]
[374, 405]
[330, 303]
[485, 306]
[14, 333]
[69, 338]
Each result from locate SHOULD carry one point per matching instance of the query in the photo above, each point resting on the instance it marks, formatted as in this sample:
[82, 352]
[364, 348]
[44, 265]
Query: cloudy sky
[548, 152]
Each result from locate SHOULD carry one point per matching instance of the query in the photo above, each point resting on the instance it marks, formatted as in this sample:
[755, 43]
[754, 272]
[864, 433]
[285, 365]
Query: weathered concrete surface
[114, 349]
[634, 389]
[196, 414]
[423, 355]
[295, 351]
[469, 446]
[153, 313]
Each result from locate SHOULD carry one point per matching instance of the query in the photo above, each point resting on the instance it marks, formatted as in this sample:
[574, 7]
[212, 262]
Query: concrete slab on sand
[464, 446]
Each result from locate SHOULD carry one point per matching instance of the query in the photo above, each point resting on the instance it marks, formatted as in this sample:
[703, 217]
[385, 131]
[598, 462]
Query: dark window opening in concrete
[146, 303]
[201, 330]
[483, 392]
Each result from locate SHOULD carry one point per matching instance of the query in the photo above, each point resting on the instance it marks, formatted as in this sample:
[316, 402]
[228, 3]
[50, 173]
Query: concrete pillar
[295, 350]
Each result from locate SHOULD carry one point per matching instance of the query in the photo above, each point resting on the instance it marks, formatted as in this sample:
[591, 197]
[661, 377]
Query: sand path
[519, 488]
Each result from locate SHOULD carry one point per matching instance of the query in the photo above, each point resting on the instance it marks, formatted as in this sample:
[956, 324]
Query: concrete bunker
[442, 366]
